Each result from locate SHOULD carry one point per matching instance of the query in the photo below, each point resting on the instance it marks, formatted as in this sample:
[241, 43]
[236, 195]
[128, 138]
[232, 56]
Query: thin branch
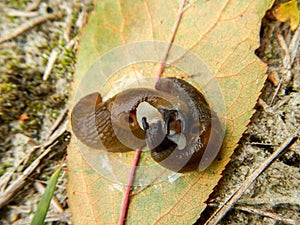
[51, 60]
[293, 47]
[276, 92]
[125, 202]
[58, 122]
[19, 13]
[163, 62]
[51, 217]
[7, 177]
[33, 5]
[286, 58]
[9, 193]
[268, 214]
[230, 202]
[29, 24]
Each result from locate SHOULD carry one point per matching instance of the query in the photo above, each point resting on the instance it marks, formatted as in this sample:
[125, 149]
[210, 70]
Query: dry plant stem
[33, 5]
[69, 23]
[229, 203]
[18, 13]
[128, 188]
[138, 151]
[276, 92]
[51, 60]
[5, 178]
[13, 188]
[9, 193]
[26, 26]
[60, 119]
[163, 62]
[268, 214]
[289, 56]
[286, 58]
[283, 101]
[293, 49]
[51, 217]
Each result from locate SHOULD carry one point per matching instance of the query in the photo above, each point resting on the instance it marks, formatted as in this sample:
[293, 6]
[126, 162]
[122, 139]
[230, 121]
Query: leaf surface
[224, 34]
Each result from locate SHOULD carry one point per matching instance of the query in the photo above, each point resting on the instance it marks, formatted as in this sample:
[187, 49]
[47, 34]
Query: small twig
[69, 23]
[163, 62]
[268, 214]
[286, 58]
[51, 217]
[9, 192]
[5, 178]
[29, 24]
[276, 92]
[125, 201]
[265, 106]
[229, 203]
[281, 103]
[70, 44]
[7, 195]
[18, 13]
[51, 60]
[275, 201]
[259, 143]
[290, 53]
[81, 19]
[53, 56]
[60, 119]
[293, 47]
[33, 5]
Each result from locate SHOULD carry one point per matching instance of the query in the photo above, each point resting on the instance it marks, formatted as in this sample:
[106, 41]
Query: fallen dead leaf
[224, 36]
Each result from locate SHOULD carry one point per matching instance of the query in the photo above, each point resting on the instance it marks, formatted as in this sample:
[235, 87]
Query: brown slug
[201, 133]
[112, 125]
[174, 120]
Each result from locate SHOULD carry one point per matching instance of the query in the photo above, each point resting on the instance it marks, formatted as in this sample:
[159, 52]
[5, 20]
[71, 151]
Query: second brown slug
[174, 121]
[201, 133]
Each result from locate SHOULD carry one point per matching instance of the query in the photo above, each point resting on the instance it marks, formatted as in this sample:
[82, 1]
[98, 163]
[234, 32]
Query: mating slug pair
[174, 121]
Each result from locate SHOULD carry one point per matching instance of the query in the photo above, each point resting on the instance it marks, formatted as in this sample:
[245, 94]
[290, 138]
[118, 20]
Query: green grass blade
[42, 209]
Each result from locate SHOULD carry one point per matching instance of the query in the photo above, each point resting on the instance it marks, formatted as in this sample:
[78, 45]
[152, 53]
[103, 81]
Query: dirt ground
[34, 93]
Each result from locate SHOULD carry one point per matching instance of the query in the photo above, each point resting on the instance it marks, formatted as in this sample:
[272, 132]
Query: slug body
[201, 131]
[112, 125]
[174, 121]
